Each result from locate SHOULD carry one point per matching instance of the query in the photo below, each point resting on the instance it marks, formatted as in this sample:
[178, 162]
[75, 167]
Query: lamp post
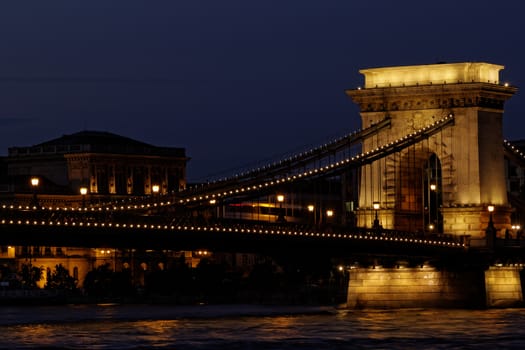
[35, 181]
[311, 209]
[329, 213]
[376, 219]
[280, 217]
[490, 208]
[490, 232]
[517, 230]
[435, 214]
[212, 203]
[83, 192]
[155, 189]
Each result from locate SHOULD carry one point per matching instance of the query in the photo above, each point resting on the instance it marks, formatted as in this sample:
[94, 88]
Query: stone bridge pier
[431, 287]
[445, 183]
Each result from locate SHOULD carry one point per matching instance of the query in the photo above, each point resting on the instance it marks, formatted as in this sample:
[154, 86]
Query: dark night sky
[235, 82]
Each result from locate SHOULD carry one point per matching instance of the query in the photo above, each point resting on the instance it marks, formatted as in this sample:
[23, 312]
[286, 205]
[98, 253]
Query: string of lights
[209, 196]
[369, 235]
[357, 160]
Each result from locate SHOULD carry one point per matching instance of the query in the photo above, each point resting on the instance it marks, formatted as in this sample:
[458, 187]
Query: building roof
[96, 142]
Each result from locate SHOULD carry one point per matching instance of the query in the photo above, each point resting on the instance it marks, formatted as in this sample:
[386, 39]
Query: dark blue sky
[235, 82]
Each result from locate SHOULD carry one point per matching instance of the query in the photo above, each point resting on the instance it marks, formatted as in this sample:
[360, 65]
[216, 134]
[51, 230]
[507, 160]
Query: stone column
[164, 184]
[111, 178]
[93, 179]
[147, 179]
[129, 179]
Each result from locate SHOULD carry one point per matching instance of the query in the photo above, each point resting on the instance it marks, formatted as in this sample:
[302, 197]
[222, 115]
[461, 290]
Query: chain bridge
[178, 217]
[414, 185]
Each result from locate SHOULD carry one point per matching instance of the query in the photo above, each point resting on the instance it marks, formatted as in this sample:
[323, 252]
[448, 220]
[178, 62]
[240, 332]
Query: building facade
[101, 162]
[105, 165]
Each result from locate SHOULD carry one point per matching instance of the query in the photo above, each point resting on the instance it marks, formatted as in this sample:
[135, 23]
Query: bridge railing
[54, 217]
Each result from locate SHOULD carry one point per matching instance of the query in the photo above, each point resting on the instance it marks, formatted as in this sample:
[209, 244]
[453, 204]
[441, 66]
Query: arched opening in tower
[419, 191]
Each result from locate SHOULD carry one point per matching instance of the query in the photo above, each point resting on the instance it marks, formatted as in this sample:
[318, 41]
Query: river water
[109, 326]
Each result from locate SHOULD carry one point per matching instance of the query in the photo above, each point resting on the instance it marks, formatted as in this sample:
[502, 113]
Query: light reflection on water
[257, 327]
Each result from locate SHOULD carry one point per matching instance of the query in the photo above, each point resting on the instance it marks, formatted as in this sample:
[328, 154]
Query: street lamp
[433, 207]
[490, 232]
[329, 214]
[517, 231]
[490, 208]
[280, 199]
[212, 203]
[376, 219]
[83, 192]
[311, 209]
[35, 181]
[155, 189]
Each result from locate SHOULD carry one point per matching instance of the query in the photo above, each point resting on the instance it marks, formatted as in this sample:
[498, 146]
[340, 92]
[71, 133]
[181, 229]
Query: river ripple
[257, 327]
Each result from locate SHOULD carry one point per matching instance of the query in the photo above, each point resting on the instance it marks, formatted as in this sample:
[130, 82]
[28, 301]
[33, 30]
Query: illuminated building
[74, 170]
[443, 183]
[102, 162]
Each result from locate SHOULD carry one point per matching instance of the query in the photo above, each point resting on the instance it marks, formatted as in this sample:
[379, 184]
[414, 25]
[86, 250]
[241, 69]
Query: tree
[103, 282]
[98, 281]
[60, 279]
[31, 275]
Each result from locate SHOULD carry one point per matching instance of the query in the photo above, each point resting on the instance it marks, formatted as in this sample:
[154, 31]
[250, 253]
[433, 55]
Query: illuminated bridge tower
[446, 182]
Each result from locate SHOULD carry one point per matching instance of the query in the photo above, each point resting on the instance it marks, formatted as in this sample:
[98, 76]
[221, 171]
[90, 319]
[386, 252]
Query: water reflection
[236, 327]
[476, 326]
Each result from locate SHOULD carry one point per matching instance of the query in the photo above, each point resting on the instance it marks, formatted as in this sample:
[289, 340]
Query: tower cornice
[432, 96]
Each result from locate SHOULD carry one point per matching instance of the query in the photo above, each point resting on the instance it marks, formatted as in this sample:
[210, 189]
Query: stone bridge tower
[446, 182]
